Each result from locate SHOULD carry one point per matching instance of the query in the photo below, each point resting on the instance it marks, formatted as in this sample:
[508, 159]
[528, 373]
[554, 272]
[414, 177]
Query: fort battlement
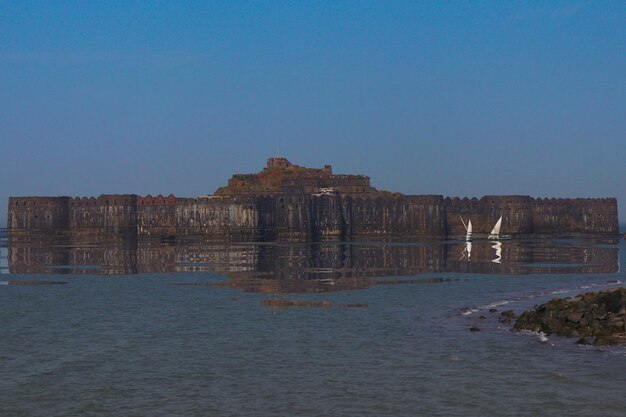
[285, 201]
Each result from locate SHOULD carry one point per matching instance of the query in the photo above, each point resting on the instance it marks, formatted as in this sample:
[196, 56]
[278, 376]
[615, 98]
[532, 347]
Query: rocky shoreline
[596, 318]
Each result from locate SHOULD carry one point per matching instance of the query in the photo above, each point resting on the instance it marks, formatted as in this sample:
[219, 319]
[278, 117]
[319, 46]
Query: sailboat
[468, 229]
[495, 232]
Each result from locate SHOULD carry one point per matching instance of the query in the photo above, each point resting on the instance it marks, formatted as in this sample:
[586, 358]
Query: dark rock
[481, 317]
[474, 329]
[574, 317]
[592, 315]
[508, 313]
[493, 310]
[605, 341]
[507, 316]
[583, 341]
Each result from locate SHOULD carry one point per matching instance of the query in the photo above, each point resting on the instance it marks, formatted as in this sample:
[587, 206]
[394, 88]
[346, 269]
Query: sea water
[389, 339]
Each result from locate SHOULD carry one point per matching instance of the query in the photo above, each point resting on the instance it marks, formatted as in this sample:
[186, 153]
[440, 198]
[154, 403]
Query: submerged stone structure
[289, 202]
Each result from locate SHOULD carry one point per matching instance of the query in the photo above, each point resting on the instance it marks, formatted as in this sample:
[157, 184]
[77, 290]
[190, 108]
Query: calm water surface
[389, 336]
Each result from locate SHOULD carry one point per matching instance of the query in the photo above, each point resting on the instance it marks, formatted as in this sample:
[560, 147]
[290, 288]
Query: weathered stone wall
[108, 213]
[156, 215]
[574, 215]
[219, 218]
[38, 213]
[397, 216]
[484, 213]
[280, 176]
[306, 216]
[85, 214]
[119, 212]
[345, 184]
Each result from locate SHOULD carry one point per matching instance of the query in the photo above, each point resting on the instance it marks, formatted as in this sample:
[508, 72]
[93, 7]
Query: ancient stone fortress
[289, 202]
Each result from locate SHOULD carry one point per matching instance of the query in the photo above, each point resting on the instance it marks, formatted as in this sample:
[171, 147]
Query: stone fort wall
[307, 216]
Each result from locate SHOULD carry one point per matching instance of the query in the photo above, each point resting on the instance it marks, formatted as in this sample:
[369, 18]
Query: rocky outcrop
[597, 318]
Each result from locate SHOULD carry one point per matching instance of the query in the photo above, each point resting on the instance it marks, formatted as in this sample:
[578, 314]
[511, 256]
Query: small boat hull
[499, 237]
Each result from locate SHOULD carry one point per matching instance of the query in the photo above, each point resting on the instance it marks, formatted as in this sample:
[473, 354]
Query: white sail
[468, 235]
[496, 229]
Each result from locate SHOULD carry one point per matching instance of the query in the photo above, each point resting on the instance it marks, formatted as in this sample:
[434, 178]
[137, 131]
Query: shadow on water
[304, 267]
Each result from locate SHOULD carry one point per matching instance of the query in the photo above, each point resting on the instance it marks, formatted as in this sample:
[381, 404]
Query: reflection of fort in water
[129, 234]
[306, 267]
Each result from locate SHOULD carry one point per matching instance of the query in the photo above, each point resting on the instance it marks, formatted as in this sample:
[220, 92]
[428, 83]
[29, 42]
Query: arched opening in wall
[48, 217]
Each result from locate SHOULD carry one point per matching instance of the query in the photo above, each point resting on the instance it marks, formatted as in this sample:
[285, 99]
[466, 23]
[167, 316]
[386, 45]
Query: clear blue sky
[458, 98]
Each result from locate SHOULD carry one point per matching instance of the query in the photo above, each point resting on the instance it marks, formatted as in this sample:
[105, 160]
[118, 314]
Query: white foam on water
[468, 311]
[541, 336]
[586, 287]
[495, 304]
